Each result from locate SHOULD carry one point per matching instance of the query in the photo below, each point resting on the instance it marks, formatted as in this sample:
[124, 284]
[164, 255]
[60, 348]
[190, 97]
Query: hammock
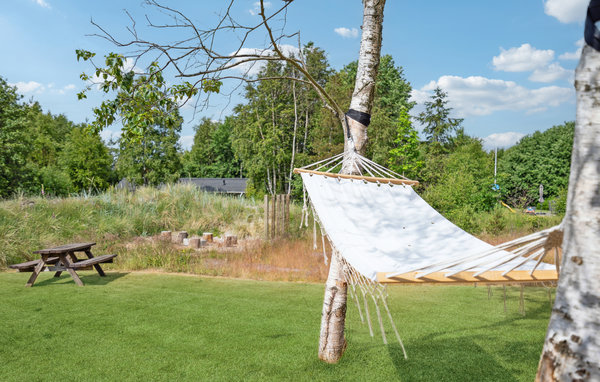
[383, 232]
[382, 228]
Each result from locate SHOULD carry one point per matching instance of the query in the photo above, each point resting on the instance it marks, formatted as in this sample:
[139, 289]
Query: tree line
[280, 125]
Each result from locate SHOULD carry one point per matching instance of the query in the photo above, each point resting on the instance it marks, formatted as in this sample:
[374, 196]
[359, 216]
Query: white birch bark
[572, 348]
[332, 341]
[289, 190]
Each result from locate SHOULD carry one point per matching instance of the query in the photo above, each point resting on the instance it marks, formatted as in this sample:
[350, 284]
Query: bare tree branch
[197, 55]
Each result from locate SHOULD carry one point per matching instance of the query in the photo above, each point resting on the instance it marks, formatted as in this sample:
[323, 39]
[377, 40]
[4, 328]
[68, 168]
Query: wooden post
[277, 214]
[230, 240]
[266, 217]
[287, 212]
[274, 216]
[281, 210]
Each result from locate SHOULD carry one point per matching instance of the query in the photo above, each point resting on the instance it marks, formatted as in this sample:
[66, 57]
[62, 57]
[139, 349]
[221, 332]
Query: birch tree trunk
[332, 341]
[289, 190]
[572, 347]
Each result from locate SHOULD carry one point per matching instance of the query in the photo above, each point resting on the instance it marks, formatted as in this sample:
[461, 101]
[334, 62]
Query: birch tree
[202, 66]
[332, 342]
[572, 348]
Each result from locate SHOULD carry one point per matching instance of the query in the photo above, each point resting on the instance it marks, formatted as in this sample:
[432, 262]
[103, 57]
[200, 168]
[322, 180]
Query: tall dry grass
[280, 260]
[27, 224]
[126, 223]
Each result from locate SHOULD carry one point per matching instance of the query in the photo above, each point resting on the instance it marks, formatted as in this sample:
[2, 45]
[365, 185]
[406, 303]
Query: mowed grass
[142, 326]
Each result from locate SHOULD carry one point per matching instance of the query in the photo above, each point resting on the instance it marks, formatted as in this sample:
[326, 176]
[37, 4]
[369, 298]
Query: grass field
[141, 326]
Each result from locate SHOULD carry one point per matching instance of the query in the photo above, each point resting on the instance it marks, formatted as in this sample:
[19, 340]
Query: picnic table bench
[63, 258]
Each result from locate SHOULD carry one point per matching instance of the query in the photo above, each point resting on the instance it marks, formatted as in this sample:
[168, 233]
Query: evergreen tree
[438, 126]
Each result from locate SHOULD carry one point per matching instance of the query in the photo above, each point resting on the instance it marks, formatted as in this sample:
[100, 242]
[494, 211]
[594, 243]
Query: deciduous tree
[198, 57]
[87, 161]
[14, 140]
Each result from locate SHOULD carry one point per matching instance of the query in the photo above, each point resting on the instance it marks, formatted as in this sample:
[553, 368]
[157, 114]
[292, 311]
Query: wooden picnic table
[63, 258]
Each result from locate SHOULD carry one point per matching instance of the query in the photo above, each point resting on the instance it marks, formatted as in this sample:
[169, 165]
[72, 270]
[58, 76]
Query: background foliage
[280, 125]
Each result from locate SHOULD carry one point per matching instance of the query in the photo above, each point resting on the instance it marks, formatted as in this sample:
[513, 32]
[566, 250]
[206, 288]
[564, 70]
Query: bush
[55, 182]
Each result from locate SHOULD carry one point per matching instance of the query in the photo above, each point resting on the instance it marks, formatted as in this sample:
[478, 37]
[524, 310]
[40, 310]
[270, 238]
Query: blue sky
[506, 65]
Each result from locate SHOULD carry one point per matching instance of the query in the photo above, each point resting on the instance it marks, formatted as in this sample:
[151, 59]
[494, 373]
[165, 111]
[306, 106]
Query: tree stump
[195, 242]
[230, 240]
[208, 236]
[177, 237]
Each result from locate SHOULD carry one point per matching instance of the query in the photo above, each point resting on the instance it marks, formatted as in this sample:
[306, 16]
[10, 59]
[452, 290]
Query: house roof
[225, 185]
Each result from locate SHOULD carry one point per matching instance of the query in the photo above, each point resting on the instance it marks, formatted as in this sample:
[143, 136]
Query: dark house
[221, 185]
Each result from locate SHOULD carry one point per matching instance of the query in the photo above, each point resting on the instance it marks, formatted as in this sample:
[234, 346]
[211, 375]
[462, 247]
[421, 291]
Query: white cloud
[550, 73]
[256, 7]
[110, 135]
[573, 55]
[346, 32]
[43, 4]
[522, 59]
[65, 89]
[529, 59]
[29, 87]
[33, 87]
[186, 141]
[501, 140]
[483, 96]
[420, 96]
[252, 68]
[566, 11]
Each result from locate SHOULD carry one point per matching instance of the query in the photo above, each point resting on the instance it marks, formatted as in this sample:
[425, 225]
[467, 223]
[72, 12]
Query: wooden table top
[65, 248]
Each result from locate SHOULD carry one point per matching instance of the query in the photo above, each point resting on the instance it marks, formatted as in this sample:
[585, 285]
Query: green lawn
[170, 327]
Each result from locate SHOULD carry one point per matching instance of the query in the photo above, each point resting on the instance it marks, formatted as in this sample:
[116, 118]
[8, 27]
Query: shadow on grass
[87, 279]
[455, 355]
[453, 359]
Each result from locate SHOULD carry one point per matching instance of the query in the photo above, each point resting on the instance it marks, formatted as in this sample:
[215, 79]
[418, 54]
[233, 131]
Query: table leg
[71, 271]
[58, 273]
[96, 266]
[36, 271]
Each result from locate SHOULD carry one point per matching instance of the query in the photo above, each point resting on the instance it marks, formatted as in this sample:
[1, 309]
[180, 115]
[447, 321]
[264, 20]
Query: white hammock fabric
[379, 227]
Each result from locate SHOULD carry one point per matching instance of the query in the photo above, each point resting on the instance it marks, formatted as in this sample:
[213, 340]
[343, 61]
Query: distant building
[220, 185]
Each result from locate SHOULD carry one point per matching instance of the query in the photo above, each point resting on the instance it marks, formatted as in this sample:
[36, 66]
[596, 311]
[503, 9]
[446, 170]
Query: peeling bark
[332, 342]
[572, 348]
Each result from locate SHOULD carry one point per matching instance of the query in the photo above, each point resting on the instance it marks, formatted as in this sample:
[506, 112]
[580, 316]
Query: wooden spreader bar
[372, 179]
[489, 277]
